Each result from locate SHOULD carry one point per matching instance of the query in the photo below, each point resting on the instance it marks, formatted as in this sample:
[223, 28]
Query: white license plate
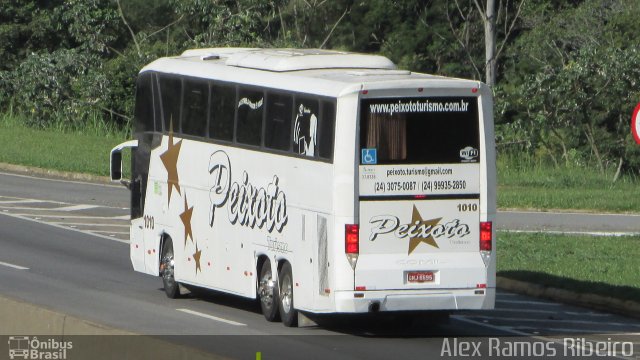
[420, 276]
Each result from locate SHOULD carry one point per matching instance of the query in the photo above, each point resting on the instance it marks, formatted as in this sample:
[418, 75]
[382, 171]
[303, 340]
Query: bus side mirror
[116, 162]
[116, 165]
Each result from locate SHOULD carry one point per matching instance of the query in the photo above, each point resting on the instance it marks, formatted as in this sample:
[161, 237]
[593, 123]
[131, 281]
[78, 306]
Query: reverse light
[486, 235]
[351, 239]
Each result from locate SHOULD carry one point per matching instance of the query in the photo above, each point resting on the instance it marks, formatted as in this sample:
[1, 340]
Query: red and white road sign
[635, 123]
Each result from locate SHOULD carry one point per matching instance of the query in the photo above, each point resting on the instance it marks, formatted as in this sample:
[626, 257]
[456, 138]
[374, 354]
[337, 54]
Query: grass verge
[74, 151]
[530, 184]
[599, 265]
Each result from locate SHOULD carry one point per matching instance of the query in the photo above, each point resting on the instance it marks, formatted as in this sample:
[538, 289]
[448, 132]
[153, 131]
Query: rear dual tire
[276, 295]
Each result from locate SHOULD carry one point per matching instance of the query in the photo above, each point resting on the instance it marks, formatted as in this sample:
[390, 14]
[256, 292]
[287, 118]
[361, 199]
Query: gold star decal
[416, 219]
[196, 257]
[170, 160]
[186, 220]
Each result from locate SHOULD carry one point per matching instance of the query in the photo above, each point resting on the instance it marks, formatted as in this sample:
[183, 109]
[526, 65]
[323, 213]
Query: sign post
[635, 124]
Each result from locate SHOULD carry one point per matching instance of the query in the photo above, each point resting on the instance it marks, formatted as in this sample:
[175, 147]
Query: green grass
[75, 150]
[525, 183]
[600, 265]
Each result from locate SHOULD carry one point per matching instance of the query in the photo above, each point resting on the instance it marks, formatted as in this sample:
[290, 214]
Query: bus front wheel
[171, 286]
[268, 292]
[288, 313]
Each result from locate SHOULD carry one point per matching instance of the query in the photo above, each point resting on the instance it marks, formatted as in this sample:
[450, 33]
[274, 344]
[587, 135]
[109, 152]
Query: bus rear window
[435, 130]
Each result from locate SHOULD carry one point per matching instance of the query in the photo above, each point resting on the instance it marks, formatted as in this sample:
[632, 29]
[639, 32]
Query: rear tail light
[351, 239]
[486, 235]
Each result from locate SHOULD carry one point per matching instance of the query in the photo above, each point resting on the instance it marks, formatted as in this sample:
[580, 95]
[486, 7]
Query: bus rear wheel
[268, 292]
[288, 313]
[171, 286]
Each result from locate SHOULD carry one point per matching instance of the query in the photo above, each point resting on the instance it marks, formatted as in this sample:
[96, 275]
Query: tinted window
[223, 101]
[144, 104]
[305, 133]
[171, 90]
[278, 125]
[250, 110]
[196, 99]
[438, 130]
[326, 130]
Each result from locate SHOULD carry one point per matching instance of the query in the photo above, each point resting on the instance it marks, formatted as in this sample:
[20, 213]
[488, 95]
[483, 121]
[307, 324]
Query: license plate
[420, 276]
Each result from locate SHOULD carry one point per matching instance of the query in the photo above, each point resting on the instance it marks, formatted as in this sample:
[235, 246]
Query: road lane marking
[110, 232]
[61, 180]
[26, 218]
[22, 201]
[515, 332]
[559, 232]
[556, 321]
[524, 302]
[211, 317]
[124, 217]
[13, 266]
[90, 224]
[76, 207]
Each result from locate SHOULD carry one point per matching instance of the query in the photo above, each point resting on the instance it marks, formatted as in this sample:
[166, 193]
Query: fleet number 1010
[467, 207]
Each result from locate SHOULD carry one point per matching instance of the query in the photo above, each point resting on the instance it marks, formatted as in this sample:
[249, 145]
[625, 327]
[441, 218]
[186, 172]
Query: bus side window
[144, 104]
[278, 125]
[326, 130]
[196, 99]
[305, 128]
[250, 110]
[171, 92]
[222, 113]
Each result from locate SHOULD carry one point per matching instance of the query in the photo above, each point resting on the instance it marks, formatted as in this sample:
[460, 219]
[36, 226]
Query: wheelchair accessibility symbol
[369, 156]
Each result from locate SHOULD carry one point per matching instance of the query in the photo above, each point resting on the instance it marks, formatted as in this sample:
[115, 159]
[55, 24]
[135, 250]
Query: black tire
[288, 313]
[171, 286]
[268, 292]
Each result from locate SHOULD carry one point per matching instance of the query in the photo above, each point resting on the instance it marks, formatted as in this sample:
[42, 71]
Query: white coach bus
[316, 181]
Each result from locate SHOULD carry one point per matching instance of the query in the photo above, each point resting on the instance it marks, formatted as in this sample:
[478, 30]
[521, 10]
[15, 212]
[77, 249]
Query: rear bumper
[412, 300]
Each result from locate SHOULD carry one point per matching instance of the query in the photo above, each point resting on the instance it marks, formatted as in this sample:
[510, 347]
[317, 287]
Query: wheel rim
[266, 289]
[286, 294]
[168, 267]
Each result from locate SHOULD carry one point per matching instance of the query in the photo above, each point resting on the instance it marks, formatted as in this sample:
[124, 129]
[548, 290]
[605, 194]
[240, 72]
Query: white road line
[564, 330]
[76, 207]
[65, 228]
[109, 232]
[558, 232]
[211, 317]
[60, 180]
[494, 327]
[567, 213]
[29, 208]
[23, 201]
[13, 266]
[513, 331]
[524, 302]
[38, 216]
[88, 224]
[557, 321]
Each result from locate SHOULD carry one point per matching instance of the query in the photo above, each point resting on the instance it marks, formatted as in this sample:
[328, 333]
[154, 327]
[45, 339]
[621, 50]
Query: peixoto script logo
[32, 348]
[247, 205]
[418, 231]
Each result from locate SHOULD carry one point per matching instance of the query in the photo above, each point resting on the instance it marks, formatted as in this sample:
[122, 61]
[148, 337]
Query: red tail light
[351, 235]
[486, 235]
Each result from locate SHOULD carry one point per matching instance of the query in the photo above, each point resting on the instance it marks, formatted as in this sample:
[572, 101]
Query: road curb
[53, 174]
[18, 318]
[592, 301]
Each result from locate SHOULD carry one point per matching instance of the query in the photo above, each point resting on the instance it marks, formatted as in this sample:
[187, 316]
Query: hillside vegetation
[566, 72]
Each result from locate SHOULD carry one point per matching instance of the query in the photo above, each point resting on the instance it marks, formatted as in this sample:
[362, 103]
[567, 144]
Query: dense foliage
[567, 71]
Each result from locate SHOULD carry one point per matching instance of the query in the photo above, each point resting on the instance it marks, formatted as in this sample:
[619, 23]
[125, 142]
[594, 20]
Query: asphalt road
[63, 245]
